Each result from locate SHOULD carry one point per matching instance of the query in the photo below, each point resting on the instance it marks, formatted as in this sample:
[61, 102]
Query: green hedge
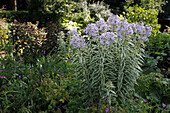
[21, 16]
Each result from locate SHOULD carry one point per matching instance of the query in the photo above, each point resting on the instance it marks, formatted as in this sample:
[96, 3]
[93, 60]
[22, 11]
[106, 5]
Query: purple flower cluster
[113, 20]
[73, 32]
[92, 30]
[107, 38]
[78, 41]
[3, 77]
[105, 31]
[102, 25]
[123, 28]
[3, 86]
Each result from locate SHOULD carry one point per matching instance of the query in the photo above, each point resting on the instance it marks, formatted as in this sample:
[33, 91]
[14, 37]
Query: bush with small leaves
[147, 16]
[27, 39]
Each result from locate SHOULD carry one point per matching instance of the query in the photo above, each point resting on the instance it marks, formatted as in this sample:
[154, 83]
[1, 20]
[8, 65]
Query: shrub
[149, 4]
[140, 105]
[109, 63]
[99, 10]
[157, 50]
[3, 31]
[116, 7]
[81, 13]
[147, 16]
[21, 16]
[31, 42]
[47, 10]
[154, 87]
[27, 39]
[50, 44]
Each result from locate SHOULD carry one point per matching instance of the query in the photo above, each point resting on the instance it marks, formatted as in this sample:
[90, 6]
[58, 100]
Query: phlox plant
[109, 57]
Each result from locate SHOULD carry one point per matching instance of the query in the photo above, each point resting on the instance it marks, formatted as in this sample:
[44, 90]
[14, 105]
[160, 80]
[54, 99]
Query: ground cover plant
[26, 88]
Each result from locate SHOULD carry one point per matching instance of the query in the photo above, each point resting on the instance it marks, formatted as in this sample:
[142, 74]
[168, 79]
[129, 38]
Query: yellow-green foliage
[3, 29]
[3, 32]
[148, 17]
[148, 4]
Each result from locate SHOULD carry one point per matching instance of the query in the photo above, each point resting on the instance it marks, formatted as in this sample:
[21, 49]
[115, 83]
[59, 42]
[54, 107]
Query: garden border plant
[109, 63]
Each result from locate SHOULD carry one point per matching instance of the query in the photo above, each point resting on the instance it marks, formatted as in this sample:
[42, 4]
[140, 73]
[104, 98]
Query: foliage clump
[147, 16]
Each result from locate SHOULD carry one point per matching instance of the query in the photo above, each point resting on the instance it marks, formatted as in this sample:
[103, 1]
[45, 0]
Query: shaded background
[116, 6]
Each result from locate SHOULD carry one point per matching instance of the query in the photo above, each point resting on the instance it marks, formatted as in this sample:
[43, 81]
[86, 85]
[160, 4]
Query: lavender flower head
[107, 38]
[101, 24]
[92, 30]
[73, 32]
[123, 28]
[106, 31]
[113, 20]
[78, 41]
[148, 30]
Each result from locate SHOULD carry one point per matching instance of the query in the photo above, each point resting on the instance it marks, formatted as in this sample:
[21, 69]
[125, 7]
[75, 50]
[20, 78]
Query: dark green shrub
[157, 53]
[47, 10]
[21, 16]
[154, 87]
[140, 105]
[43, 87]
[51, 44]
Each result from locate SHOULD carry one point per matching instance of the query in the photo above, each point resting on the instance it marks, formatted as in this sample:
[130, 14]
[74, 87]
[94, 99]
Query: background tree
[15, 5]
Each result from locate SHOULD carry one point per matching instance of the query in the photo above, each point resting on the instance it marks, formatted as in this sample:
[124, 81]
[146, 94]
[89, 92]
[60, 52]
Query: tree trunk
[15, 5]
